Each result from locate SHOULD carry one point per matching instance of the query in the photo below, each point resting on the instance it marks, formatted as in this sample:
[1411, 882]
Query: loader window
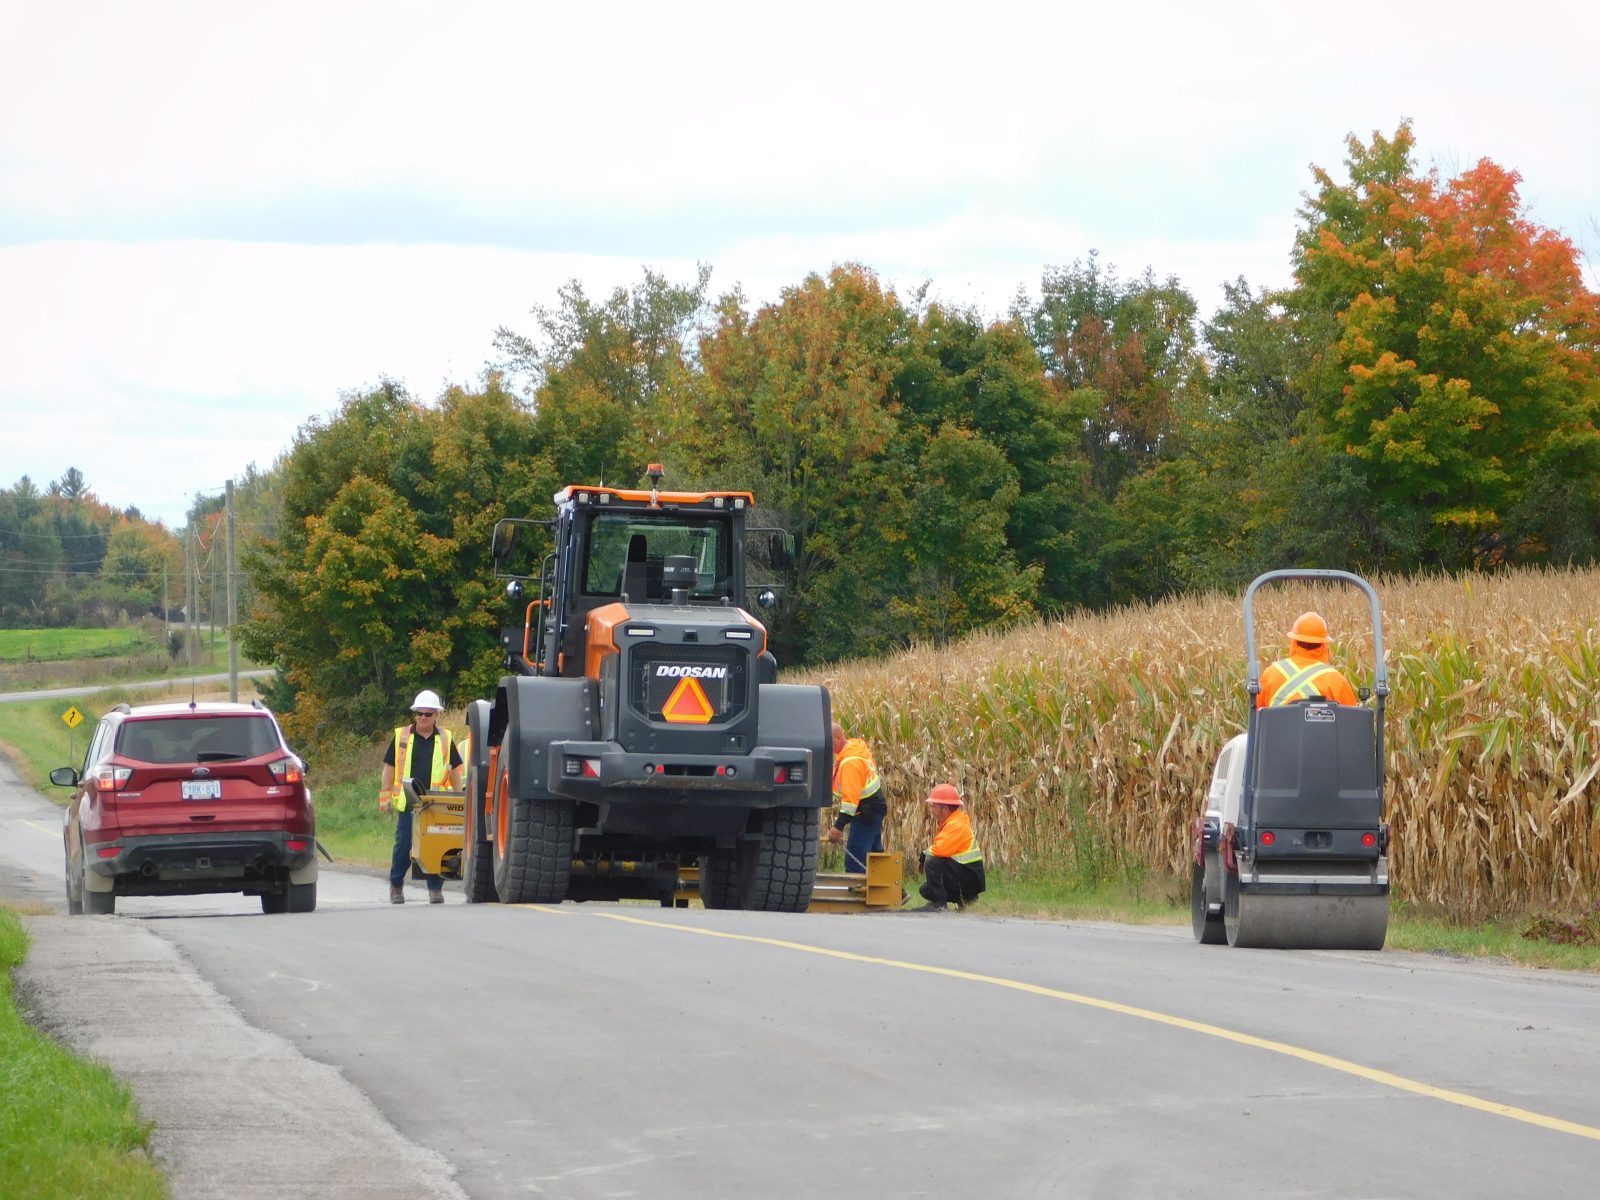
[626, 547]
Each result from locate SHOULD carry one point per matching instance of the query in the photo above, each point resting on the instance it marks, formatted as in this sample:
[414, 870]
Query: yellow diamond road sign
[72, 717]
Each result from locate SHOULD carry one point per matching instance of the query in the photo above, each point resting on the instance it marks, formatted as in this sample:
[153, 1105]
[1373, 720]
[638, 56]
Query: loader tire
[777, 871]
[477, 853]
[535, 862]
[719, 879]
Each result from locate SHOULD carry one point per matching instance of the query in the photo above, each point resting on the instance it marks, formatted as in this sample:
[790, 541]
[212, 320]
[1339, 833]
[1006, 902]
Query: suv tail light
[111, 779]
[285, 770]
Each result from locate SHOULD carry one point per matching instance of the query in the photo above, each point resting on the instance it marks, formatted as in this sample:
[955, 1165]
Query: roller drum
[1325, 921]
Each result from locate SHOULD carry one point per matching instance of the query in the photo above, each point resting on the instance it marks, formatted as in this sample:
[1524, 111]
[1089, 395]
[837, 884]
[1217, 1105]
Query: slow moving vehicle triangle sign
[688, 704]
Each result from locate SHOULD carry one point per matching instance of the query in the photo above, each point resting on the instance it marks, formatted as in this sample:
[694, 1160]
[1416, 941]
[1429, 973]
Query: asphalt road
[632, 1051]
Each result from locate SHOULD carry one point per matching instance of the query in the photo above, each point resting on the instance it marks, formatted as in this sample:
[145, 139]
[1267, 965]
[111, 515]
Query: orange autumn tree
[1466, 384]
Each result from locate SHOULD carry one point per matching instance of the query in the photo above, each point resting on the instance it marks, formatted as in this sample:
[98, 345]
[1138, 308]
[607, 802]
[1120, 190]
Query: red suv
[185, 799]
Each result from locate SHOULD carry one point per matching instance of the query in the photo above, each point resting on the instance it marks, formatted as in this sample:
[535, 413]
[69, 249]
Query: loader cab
[614, 546]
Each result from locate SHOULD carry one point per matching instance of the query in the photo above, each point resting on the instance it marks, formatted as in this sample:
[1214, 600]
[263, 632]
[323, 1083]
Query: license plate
[202, 789]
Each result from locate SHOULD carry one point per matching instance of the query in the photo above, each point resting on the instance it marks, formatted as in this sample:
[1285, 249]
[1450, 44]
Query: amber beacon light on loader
[640, 732]
[1291, 850]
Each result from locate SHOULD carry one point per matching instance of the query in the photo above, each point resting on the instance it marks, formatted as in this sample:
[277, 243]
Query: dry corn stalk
[1493, 730]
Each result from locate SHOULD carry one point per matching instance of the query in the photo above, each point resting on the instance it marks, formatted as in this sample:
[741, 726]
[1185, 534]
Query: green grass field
[51, 645]
[48, 658]
[70, 1129]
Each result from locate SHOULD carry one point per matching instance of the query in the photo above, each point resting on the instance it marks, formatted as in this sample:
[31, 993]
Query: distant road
[170, 681]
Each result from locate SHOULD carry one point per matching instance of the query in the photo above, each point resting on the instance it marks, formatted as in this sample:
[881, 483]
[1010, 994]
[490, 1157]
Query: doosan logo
[667, 671]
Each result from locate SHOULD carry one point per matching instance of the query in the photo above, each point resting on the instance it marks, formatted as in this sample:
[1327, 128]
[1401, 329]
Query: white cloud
[215, 218]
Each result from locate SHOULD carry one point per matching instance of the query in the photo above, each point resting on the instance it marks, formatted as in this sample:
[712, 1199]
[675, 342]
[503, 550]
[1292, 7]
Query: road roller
[1292, 851]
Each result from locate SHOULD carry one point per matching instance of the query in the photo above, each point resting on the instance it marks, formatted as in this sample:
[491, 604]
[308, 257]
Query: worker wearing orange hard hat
[1307, 673]
[953, 866]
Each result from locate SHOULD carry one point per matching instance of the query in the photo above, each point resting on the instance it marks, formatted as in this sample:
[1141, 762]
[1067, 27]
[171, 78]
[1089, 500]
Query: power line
[92, 574]
[45, 562]
[60, 537]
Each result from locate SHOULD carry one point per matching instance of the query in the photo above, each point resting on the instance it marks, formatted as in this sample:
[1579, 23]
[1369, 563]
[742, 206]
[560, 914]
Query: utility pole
[192, 633]
[211, 591]
[233, 643]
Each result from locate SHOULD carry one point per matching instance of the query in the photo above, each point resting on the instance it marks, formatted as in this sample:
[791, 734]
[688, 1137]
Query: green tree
[795, 404]
[960, 574]
[1466, 345]
[71, 486]
[601, 371]
[1125, 352]
[379, 580]
[989, 378]
[136, 557]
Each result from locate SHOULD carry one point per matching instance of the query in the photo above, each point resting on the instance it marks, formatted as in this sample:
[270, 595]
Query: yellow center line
[1372, 1074]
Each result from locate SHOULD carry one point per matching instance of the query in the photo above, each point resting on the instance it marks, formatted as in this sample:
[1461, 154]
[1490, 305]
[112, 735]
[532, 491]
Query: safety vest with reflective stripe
[955, 839]
[1299, 683]
[404, 743]
[855, 751]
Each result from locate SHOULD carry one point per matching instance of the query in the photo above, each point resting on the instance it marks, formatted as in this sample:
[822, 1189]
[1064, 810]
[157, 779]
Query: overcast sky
[216, 218]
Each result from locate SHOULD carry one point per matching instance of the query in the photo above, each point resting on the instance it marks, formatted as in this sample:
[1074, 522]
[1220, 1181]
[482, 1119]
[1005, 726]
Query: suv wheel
[295, 898]
[74, 899]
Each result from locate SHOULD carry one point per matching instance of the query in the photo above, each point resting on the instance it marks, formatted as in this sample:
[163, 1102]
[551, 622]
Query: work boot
[435, 895]
[397, 894]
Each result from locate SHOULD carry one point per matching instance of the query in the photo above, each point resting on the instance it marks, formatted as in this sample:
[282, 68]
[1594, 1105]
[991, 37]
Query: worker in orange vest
[1307, 673]
[953, 866]
[858, 791]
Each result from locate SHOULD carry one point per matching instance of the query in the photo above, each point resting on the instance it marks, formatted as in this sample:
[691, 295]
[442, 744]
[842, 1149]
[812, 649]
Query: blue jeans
[400, 864]
[862, 836]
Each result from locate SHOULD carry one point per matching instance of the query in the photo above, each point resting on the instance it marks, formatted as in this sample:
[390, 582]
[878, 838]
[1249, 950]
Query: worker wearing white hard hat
[429, 757]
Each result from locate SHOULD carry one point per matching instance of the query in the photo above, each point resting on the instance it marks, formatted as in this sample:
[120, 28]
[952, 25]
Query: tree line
[69, 559]
[1423, 396]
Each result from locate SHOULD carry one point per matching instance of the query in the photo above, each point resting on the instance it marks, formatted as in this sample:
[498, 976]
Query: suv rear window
[197, 739]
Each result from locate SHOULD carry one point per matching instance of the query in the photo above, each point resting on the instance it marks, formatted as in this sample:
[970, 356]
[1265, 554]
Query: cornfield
[1106, 727]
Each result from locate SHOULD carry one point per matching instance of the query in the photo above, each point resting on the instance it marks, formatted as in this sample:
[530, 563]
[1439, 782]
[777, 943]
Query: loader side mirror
[767, 598]
[778, 551]
[505, 540]
[514, 591]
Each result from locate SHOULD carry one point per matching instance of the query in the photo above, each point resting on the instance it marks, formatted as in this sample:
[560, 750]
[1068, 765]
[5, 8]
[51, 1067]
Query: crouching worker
[953, 866]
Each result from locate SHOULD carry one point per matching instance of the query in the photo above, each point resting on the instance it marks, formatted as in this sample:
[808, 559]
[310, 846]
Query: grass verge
[38, 740]
[349, 823]
[1063, 896]
[71, 1129]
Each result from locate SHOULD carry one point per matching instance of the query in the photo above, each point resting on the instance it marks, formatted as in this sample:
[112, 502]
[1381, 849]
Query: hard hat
[944, 793]
[427, 701]
[1310, 628]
